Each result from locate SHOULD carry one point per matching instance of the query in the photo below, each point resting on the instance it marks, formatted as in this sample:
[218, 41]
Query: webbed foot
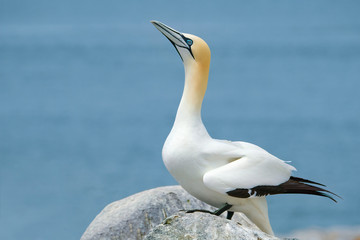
[199, 210]
[217, 212]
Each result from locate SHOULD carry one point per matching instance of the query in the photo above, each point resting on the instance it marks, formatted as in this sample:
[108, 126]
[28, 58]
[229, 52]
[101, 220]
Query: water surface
[89, 91]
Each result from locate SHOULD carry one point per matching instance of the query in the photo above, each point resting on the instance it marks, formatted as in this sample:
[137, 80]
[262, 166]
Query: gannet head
[191, 49]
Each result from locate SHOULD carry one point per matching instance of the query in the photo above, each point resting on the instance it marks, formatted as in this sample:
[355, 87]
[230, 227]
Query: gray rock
[133, 217]
[198, 225]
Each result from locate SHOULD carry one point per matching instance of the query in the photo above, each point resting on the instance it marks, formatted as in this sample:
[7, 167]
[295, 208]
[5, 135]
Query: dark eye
[189, 42]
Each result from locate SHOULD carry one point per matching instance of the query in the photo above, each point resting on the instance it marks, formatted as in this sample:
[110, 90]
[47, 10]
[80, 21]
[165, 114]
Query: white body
[209, 168]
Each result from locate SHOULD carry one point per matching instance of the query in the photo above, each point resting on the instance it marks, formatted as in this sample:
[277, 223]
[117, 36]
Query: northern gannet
[232, 176]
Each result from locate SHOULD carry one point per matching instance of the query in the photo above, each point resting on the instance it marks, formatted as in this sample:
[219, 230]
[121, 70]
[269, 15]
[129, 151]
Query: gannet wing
[256, 168]
[257, 174]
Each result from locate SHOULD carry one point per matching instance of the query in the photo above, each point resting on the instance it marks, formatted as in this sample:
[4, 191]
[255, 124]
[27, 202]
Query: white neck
[189, 111]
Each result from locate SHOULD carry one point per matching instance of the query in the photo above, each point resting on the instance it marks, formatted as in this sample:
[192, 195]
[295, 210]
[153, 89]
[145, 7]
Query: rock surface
[133, 218]
[204, 226]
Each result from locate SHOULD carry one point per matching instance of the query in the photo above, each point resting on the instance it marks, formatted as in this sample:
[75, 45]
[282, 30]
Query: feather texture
[294, 185]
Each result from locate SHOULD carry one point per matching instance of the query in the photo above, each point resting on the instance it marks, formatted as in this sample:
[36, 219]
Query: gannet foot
[217, 212]
[222, 209]
[230, 214]
[199, 210]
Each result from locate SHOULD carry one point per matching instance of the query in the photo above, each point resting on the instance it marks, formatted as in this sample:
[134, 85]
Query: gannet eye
[189, 42]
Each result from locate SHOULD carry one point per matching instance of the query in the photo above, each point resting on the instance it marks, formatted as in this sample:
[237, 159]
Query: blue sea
[89, 91]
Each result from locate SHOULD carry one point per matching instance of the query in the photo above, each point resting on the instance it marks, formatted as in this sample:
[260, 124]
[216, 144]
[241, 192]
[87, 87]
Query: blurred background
[89, 91]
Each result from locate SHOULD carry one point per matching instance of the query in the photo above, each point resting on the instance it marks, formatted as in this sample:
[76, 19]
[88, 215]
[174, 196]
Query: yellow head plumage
[196, 55]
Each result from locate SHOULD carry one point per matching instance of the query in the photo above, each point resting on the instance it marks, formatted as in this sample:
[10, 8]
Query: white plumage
[220, 172]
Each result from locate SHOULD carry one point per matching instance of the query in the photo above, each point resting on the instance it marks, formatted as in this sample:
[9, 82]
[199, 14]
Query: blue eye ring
[189, 42]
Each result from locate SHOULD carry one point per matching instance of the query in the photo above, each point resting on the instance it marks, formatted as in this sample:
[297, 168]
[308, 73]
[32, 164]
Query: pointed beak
[175, 37]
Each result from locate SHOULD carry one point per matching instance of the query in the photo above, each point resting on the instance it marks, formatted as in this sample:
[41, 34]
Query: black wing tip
[294, 185]
[328, 196]
[335, 196]
[303, 180]
[318, 191]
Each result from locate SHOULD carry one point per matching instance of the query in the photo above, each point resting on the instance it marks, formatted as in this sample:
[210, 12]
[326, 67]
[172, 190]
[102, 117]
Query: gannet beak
[176, 38]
